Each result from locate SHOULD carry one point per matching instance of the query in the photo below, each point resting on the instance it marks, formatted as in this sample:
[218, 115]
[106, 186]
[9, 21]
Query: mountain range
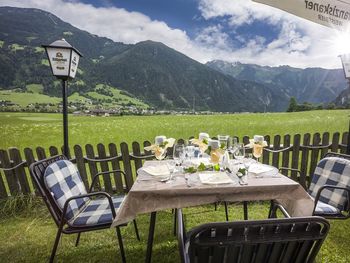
[149, 72]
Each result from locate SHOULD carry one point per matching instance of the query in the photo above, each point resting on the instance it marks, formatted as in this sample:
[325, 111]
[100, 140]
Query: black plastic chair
[74, 221]
[330, 187]
[296, 240]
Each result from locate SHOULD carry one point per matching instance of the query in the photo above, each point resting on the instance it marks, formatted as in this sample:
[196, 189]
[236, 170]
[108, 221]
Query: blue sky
[231, 30]
[185, 14]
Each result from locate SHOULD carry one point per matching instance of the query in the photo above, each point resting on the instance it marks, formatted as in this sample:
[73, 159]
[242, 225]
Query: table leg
[245, 210]
[152, 224]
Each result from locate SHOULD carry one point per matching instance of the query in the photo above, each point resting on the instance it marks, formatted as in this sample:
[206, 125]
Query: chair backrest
[272, 240]
[332, 171]
[63, 181]
[44, 173]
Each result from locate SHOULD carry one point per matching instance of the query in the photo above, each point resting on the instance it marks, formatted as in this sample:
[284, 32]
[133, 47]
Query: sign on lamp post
[64, 60]
[345, 60]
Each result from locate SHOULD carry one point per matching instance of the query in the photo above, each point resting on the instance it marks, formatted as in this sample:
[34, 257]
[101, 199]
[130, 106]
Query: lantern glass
[74, 64]
[59, 61]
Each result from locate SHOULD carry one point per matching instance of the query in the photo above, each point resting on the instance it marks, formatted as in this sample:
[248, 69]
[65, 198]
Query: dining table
[153, 191]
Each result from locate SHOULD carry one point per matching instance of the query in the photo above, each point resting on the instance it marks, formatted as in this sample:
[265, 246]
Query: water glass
[190, 151]
[179, 154]
[239, 152]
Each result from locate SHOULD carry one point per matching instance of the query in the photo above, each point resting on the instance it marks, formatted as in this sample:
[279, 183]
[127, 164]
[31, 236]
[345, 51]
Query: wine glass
[239, 153]
[223, 139]
[232, 144]
[171, 164]
[160, 153]
[257, 151]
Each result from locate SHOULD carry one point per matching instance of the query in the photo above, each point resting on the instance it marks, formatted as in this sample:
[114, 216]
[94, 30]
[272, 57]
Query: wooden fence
[299, 152]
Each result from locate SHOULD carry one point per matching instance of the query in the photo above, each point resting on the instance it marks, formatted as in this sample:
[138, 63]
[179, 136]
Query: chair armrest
[283, 210]
[181, 237]
[109, 198]
[327, 186]
[102, 173]
[289, 169]
[141, 157]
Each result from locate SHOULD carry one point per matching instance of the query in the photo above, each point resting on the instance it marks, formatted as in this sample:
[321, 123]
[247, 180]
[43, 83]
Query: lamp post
[64, 60]
[345, 59]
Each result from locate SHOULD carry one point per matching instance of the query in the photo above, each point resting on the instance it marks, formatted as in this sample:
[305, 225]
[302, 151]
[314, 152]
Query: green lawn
[31, 129]
[28, 236]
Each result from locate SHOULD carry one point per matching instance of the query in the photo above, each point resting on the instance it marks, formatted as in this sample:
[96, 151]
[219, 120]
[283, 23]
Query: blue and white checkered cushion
[63, 181]
[97, 212]
[331, 171]
[325, 209]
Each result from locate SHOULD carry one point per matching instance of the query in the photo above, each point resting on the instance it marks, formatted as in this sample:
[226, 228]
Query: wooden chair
[296, 240]
[330, 187]
[73, 209]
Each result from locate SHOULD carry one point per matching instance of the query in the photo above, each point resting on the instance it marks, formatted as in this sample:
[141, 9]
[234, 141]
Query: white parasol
[331, 13]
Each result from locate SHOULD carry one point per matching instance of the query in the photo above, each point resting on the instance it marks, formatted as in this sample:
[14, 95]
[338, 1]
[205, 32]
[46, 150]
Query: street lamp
[345, 60]
[64, 61]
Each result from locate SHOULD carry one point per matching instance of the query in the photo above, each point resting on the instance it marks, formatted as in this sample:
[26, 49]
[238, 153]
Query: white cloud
[300, 43]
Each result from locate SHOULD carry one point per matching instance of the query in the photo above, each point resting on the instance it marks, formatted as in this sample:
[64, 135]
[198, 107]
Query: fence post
[295, 157]
[11, 178]
[3, 192]
[104, 168]
[276, 146]
[266, 154]
[127, 165]
[285, 154]
[314, 155]
[325, 141]
[92, 165]
[116, 166]
[21, 176]
[304, 160]
[335, 142]
[79, 158]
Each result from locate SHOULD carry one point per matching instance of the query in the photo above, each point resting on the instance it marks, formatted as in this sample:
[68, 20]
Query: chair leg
[272, 211]
[53, 252]
[136, 230]
[215, 206]
[226, 211]
[121, 246]
[245, 210]
[175, 221]
[78, 239]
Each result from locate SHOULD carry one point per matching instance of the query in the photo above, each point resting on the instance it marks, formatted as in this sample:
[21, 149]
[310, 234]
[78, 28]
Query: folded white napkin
[215, 178]
[198, 161]
[159, 170]
[258, 168]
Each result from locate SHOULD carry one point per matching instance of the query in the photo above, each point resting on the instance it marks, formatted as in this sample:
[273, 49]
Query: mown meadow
[27, 231]
[33, 129]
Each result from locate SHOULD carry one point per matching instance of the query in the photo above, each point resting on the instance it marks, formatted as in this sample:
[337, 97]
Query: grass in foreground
[28, 235]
